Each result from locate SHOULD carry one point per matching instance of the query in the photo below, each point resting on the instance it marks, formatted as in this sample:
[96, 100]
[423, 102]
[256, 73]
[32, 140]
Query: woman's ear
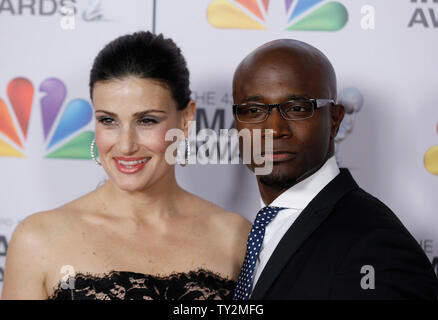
[188, 114]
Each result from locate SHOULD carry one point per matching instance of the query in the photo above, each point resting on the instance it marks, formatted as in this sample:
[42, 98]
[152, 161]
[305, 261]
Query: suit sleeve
[385, 264]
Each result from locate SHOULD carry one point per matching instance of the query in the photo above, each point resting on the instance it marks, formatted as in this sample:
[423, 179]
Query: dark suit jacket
[341, 230]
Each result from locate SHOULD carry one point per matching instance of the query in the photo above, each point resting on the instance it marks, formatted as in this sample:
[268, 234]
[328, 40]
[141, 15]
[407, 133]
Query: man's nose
[127, 140]
[278, 124]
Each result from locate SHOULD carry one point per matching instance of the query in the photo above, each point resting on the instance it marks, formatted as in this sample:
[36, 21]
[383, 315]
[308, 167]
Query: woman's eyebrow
[107, 112]
[137, 114]
[142, 113]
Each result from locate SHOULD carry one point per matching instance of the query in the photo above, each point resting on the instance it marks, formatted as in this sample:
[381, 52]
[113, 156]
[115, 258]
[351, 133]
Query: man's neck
[270, 193]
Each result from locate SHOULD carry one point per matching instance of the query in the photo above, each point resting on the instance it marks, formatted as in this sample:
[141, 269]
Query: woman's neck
[156, 201]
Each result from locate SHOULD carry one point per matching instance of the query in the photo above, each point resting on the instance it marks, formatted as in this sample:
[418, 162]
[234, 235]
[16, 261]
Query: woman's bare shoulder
[32, 238]
[37, 229]
[49, 222]
[32, 250]
[234, 220]
[220, 216]
[231, 228]
[32, 230]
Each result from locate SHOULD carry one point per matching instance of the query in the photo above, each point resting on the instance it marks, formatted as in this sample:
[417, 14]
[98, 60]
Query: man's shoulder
[363, 212]
[369, 229]
[360, 200]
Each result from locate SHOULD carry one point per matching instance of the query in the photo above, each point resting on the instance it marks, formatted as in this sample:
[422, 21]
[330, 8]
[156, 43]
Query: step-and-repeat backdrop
[384, 52]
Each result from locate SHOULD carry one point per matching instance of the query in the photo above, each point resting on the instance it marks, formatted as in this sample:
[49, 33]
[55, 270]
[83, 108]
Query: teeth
[132, 163]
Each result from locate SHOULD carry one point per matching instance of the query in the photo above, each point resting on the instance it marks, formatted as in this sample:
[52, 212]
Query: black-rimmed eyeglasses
[254, 112]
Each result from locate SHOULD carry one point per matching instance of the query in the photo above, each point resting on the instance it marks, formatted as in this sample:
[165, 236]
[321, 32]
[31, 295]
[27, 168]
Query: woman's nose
[127, 140]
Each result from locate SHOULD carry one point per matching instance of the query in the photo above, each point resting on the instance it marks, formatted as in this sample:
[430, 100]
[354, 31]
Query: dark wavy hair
[144, 55]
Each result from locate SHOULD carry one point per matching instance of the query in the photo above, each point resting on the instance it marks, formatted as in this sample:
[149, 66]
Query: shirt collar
[300, 195]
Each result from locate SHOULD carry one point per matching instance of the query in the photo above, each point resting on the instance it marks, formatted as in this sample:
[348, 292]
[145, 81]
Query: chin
[277, 181]
[280, 178]
[130, 187]
[129, 184]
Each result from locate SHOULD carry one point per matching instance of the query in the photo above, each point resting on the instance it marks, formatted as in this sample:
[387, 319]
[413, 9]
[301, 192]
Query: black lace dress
[126, 285]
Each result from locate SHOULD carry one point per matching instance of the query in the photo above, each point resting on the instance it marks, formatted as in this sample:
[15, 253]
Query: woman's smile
[130, 165]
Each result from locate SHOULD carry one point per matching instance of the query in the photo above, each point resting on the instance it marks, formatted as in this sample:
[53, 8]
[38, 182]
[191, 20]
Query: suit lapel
[306, 223]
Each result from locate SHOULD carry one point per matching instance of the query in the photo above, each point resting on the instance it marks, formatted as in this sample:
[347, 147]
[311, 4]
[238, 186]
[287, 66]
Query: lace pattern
[125, 285]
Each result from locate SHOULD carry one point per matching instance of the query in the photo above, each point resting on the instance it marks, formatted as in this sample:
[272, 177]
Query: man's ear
[188, 114]
[337, 114]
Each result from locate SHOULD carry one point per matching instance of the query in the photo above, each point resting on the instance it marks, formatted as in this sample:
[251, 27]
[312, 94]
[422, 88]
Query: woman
[139, 235]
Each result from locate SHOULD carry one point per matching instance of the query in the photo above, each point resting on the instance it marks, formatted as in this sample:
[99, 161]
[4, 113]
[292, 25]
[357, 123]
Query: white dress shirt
[295, 199]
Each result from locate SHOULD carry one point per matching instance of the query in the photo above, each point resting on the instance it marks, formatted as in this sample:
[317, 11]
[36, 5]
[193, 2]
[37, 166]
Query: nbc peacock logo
[20, 92]
[310, 15]
[63, 125]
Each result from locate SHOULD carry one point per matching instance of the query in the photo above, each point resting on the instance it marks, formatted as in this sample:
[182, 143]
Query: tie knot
[265, 215]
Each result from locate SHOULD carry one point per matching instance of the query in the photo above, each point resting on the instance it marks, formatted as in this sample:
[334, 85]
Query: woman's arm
[25, 260]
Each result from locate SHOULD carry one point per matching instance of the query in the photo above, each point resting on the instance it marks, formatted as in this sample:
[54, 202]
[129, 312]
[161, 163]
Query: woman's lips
[130, 165]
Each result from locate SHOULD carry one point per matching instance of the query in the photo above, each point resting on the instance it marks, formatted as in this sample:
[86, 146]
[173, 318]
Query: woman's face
[132, 118]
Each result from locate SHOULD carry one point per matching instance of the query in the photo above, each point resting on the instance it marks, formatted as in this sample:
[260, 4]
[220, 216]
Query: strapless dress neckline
[128, 285]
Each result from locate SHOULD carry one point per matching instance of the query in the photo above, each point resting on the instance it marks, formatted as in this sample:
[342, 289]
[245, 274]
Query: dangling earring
[186, 153]
[93, 156]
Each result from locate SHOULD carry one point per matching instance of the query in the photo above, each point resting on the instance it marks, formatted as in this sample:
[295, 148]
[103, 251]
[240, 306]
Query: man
[321, 236]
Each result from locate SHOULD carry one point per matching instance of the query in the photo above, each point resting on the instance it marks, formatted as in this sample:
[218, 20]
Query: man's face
[300, 147]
